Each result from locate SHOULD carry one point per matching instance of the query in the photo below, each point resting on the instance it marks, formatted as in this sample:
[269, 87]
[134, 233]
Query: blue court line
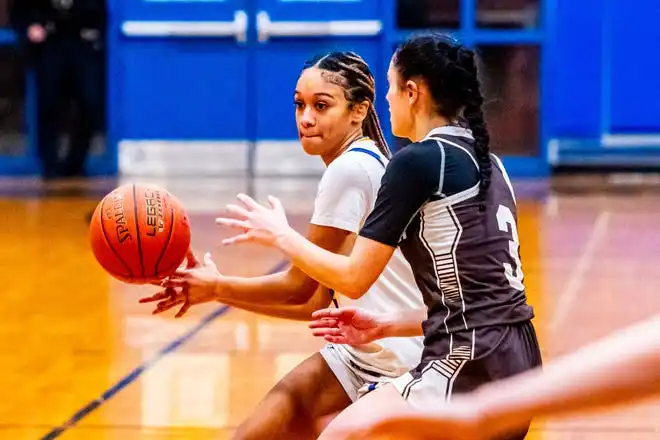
[137, 372]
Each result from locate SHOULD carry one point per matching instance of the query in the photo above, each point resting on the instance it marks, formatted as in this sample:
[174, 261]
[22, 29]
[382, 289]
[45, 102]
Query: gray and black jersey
[463, 247]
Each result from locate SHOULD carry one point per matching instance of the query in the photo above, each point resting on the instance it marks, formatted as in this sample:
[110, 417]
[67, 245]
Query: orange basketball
[139, 233]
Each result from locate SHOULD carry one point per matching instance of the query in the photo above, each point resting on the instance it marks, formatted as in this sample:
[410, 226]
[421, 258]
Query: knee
[291, 396]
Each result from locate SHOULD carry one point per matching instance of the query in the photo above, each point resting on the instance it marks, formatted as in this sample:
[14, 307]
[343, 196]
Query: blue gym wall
[604, 108]
[185, 81]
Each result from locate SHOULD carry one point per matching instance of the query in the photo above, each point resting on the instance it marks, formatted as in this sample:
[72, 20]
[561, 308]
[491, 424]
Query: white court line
[575, 280]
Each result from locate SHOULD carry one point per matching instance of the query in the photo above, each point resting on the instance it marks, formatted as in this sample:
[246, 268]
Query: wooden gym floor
[82, 359]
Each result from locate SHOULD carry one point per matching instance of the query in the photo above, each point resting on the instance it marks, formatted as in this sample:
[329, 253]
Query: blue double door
[205, 81]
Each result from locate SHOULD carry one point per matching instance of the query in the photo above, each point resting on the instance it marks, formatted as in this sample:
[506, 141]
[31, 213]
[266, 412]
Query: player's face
[398, 98]
[323, 116]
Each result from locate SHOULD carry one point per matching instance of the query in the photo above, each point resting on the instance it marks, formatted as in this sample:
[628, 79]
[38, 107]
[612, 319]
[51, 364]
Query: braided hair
[449, 69]
[351, 72]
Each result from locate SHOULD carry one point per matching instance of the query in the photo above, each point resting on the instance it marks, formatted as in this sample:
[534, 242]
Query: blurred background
[196, 95]
[204, 86]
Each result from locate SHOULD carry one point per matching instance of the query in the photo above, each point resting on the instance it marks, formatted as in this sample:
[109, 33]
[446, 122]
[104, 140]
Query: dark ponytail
[359, 85]
[450, 71]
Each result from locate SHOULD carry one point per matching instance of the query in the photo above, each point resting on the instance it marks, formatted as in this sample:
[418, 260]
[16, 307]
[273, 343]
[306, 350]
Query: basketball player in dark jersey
[447, 202]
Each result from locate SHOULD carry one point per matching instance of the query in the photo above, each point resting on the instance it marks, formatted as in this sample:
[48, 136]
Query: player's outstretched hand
[189, 286]
[259, 224]
[190, 262]
[348, 325]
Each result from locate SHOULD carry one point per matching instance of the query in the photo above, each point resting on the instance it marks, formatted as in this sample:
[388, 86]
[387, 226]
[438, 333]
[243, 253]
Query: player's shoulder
[459, 150]
[346, 165]
[422, 155]
[348, 171]
[361, 159]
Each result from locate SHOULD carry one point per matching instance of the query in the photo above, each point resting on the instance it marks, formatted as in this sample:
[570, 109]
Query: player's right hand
[189, 286]
[347, 325]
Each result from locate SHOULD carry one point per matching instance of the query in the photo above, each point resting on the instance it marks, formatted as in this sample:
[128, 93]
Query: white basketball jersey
[346, 195]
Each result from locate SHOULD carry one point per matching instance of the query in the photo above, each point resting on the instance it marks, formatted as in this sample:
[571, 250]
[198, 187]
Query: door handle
[346, 28]
[237, 28]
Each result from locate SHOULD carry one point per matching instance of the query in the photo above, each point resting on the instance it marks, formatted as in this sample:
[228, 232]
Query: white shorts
[433, 385]
[355, 375]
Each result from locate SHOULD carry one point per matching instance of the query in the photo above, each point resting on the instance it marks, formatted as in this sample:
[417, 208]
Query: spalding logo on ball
[140, 233]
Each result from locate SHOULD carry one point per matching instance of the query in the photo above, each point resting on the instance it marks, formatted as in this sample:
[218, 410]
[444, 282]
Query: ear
[359, 112]
[412, 92]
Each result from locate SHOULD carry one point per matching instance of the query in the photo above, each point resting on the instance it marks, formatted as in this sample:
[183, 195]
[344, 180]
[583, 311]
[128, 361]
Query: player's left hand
[260, 224]
[347, 325]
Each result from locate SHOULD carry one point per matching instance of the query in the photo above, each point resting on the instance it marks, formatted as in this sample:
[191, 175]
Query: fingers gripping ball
[140, 233]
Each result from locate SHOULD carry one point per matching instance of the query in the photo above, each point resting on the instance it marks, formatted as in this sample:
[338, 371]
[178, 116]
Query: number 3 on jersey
[506, 221]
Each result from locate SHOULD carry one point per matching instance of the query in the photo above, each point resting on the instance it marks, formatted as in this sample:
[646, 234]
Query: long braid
[474, 115]
[373, 129]
[352, 72]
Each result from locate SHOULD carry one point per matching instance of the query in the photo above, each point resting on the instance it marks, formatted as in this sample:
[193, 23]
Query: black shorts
[475, 358]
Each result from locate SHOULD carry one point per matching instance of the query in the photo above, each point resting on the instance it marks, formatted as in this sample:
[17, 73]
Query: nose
[307, 119]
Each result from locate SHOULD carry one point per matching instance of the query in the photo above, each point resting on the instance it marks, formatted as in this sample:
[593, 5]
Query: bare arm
[616, 370]
[339, 211]
[299, 312]
[405, 323]
[287, 294]
[352, 275]
[289, 287]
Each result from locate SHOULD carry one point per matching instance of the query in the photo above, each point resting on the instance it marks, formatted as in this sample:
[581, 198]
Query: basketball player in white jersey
[337, 121]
